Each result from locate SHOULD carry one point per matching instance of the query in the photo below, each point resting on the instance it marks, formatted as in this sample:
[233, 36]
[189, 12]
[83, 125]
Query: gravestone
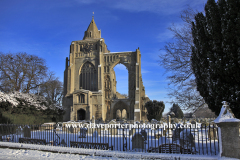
[194, 124]
[27, 132]
[19, 130]
[70, 129]
[186, 139]
[112, 127]
[184, 120]
[132, 131]
[169, 130]
[177, 131]
[168, 119]
[158, 135]
[138, 141]
[212, 133]
[95, 134]
[63, 143]
[154, 121]
[83, 132]
[93, 119]
[176, 120]
[144, 134]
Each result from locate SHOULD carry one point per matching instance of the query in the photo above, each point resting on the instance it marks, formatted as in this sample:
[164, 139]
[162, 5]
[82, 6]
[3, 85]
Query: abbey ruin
[90, 81]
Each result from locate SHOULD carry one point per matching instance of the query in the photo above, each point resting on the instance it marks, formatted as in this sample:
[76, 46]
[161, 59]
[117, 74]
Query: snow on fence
[199, 140]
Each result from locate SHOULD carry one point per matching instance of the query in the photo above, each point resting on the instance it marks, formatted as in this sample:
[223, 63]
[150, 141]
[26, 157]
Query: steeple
[92, 32]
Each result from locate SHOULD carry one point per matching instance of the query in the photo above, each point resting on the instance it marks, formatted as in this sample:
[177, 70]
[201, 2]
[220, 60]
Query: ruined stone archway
[89, 70]
[119, 108]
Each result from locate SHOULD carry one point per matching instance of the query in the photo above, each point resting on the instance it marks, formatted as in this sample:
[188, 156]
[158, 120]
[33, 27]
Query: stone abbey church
[90, 81]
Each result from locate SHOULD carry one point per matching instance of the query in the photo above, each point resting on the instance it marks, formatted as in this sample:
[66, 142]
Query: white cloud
[164, 7]
[165, 36]
[144, 71]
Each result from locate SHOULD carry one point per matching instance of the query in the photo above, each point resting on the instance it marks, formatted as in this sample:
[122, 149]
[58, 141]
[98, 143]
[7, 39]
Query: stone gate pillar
[228, 133]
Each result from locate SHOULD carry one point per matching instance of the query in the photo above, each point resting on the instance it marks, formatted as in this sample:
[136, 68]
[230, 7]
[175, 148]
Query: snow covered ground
[34, 154]
[29, 151]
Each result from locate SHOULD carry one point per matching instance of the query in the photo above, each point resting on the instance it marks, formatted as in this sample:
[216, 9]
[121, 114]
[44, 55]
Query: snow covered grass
[123, 141]
[27, 151]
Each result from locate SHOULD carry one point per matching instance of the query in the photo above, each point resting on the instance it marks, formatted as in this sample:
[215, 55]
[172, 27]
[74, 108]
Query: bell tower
[92, 32]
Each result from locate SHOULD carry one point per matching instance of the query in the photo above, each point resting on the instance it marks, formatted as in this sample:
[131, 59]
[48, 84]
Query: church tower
[90, 81]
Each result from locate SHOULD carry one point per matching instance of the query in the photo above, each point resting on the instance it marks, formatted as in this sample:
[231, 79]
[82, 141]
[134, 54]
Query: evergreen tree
[154, 109]
[216, 54]
[176, 110]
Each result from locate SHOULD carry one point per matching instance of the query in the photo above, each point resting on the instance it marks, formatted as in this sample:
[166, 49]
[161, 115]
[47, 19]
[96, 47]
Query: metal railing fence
[199, 140]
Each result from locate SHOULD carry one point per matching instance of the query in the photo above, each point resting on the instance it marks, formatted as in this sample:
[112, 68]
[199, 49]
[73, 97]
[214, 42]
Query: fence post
[228, 132]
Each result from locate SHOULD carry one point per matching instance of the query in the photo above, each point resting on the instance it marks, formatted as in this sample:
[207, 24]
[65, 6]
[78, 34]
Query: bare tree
[21, 72]
[177, 61]
[52, 89]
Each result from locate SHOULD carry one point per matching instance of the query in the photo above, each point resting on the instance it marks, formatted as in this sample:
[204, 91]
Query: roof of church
[92, 31]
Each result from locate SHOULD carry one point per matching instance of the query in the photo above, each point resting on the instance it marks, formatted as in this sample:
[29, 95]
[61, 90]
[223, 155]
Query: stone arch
[120, 105]
[81, 114]
[88, 77]
[118, 114]
[118, 61]
[114, 78]
[124, 114]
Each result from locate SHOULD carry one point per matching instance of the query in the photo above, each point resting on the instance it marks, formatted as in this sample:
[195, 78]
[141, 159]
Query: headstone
[83, 132]
[91, 130]
[138, 141]
[194, 124]
[212, 133]
[168, 119]
[169, 130]
[184, 120]
[154, 121]
[177, 131]
[132, 131]
[186, 139]
[19, 130]
[144, 134]
[70, 129]
[27, 132]
[95, 134]
[158, 135]
[63, 143]
[176, 120]
[93, 119]
[112, 127]
[113, 131]
[172, 120]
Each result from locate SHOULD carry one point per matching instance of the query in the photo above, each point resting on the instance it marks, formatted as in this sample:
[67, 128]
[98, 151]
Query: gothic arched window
[88, 77]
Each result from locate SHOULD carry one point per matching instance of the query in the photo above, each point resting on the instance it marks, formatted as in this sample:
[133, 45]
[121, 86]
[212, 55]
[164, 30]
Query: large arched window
[88, 77]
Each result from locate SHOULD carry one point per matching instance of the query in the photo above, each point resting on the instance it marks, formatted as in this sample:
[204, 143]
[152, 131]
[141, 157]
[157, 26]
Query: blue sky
[46, 28]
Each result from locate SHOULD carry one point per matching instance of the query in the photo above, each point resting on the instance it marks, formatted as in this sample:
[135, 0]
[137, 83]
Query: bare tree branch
[177, 62]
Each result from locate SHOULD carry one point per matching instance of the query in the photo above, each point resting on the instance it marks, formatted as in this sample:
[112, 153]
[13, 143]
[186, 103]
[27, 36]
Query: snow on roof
[118, 52]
